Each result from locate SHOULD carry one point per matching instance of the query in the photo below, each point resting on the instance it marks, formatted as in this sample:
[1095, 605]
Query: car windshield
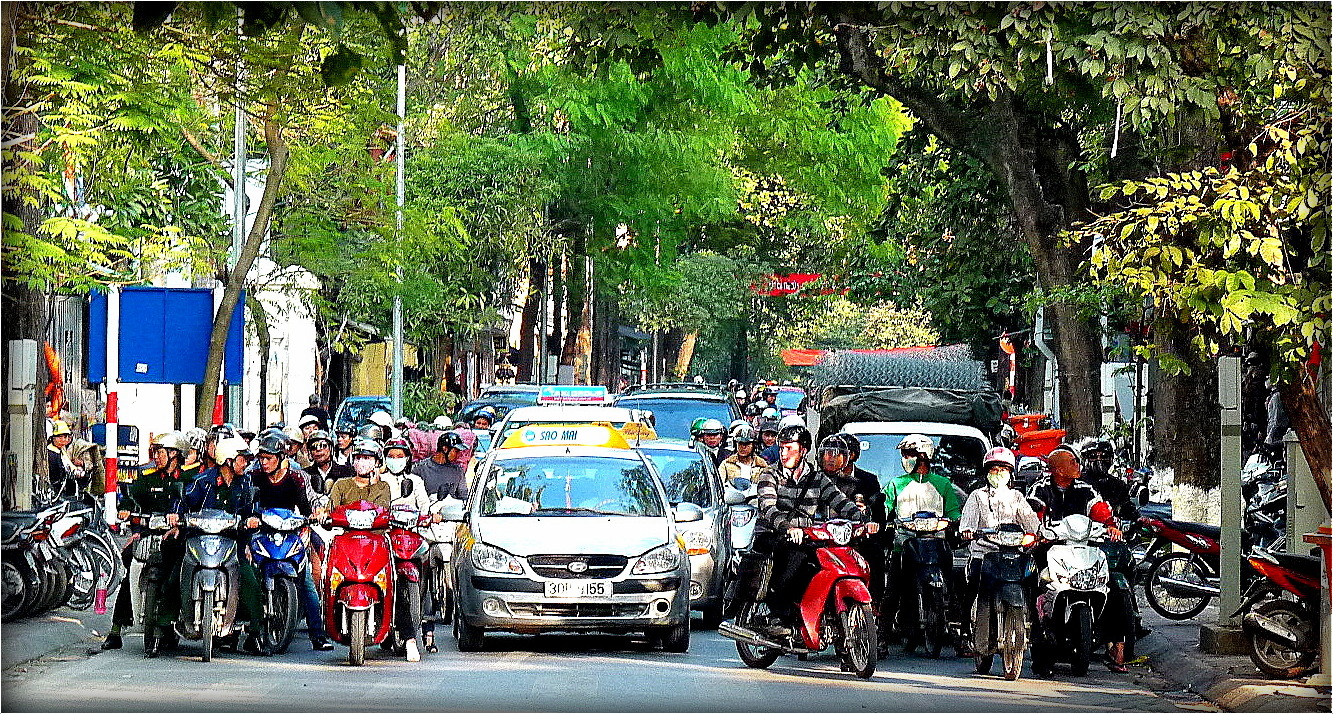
[672, 417]
[684, 475]
[502, 403]
[570, 485]
[357, 413]
[790, 400]
[957, 456]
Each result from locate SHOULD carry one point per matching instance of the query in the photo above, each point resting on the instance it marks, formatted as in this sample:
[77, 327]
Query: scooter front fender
[1012, 594]
[409, 570]
[359, 596]
[206, 579]
[849, 591]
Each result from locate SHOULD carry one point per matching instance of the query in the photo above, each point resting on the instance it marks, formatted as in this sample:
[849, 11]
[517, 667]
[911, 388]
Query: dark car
[501, 397]
[676, 406]
[791, 400]
[355, 412]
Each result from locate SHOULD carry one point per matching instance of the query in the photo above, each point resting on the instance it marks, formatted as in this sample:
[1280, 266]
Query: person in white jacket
[407, 489]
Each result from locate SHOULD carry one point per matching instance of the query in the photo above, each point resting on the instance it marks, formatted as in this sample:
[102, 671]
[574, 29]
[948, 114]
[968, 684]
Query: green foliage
[832, 322]
[703, 290]
[423, 400]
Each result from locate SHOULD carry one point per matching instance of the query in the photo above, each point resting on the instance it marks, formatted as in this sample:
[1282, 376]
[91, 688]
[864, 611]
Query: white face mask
[396, 464]
[998, 480]
[909, 464]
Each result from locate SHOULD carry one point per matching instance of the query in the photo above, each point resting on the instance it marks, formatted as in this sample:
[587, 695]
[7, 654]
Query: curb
[1191, 670]
[34, 638]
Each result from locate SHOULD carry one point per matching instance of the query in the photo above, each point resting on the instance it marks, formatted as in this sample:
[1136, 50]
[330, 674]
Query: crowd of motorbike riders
[311, 471]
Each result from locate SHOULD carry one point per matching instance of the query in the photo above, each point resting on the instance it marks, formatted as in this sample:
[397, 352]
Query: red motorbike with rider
[359, 579]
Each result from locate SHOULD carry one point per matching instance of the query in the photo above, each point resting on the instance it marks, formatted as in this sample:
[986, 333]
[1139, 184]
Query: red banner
[789, 284]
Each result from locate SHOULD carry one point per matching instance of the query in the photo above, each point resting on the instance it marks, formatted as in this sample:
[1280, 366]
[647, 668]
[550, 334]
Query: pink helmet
[999, 455]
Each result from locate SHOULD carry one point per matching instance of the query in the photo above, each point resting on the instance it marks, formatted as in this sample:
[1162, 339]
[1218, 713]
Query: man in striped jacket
[792, 493]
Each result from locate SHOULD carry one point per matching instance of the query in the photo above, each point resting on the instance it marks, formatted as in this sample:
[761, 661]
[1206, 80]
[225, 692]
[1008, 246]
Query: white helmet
[381, 419]
[791, 420]
[444, 422]
[231, 447]
[920, 443]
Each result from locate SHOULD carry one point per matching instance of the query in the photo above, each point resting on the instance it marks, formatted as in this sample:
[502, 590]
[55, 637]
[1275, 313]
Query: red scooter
[1283, 632]
[835, 608]
[409, 553]
[359, 579]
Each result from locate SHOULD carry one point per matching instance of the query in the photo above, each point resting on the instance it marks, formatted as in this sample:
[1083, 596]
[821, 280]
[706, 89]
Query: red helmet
[1100, 512]
[398, 443]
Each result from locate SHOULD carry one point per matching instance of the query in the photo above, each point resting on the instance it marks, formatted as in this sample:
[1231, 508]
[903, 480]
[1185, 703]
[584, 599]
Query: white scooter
[440, 538]
[1074, 587]
[740, 497]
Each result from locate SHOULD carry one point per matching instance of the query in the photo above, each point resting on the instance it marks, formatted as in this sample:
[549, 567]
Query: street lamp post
[401, 192]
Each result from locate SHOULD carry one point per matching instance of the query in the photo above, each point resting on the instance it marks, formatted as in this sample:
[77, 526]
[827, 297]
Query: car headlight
[493, 560]
[698, 542]
[661, 559]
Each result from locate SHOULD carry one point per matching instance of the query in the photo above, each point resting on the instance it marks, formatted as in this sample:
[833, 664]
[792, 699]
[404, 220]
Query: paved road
[555, 673]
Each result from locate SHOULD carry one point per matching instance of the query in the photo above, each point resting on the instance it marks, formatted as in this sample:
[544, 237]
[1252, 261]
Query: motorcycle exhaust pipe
[1190, 588]
[1285, 635]
[748, 636]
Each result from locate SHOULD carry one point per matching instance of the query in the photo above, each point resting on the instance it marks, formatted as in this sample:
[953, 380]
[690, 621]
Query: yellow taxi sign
[638, 430]
[566, 435]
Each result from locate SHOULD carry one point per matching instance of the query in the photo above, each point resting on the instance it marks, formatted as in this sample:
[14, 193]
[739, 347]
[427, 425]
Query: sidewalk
[1230, 681]
[34, 637]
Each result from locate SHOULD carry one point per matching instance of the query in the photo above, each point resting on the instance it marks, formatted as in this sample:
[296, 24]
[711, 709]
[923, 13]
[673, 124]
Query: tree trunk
[1310, 419]
[217, 343]
[529, 344]
[1187, 418]
[576, 288]
[685, 355]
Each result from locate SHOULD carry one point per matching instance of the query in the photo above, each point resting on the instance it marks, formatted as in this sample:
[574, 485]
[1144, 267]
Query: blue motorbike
[280, 556]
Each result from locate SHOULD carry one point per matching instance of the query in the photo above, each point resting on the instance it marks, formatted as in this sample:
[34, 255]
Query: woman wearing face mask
[406, 487]
[991, 506]
[365, 483]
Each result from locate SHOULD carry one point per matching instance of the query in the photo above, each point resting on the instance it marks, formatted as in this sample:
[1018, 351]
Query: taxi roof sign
[638, 430]
[566, 435]
[572, 394]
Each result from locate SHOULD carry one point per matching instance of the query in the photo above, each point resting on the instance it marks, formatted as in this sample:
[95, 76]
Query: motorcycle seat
[1307, 565]
[1203, 529]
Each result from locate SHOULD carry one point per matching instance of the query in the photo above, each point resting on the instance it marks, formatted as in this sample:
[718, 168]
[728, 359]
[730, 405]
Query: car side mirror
[688, 512]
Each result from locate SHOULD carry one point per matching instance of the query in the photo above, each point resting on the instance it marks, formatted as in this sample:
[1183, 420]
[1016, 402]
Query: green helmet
[696, 426]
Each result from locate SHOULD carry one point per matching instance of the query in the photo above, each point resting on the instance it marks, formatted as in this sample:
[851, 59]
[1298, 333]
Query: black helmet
[450, 440]
[273, 442]
[752, 410]
[798, 434]
[345, 428]
[835, 444]
[318, 435]
[853, 444]
[1097, 446]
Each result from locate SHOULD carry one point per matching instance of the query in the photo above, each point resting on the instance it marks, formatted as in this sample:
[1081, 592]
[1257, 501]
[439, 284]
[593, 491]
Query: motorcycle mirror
[452, 510]
[407, 487]
[742, 484]
[688, 512]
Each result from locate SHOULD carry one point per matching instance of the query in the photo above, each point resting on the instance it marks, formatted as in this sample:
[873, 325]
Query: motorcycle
[35, 577]
[279, 552]
[1283, 634]
[1075, 584]
[147, 572]
[926, 578]
[1000, 615]
[835, 608]
[359, 579]
[410, 551]
[1120, 565]
[440, 537]
[210, 578]
[95, 568]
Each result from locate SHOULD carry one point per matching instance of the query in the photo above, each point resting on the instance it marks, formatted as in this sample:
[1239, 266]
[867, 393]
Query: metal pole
[1228, 396]
[240, 156]
[397, 398]
[112, 402]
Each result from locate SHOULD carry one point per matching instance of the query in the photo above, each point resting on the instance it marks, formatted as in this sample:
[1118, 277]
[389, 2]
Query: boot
[112, 641]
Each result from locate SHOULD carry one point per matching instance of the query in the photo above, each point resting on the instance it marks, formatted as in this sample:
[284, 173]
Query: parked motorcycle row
[57, 555]
[1180, 571]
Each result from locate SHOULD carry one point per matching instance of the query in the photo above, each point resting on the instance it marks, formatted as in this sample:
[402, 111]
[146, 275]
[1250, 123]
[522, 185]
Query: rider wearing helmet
[744, 463]
[1098, 458]
[442, 473]
[323, 471]
[364, 484]
[342, 446]
[198, 440]
[384, 421]
[711, 436]
[919, 488]
[791, 494]
[484, 418]
[989, 507]
[407, 488]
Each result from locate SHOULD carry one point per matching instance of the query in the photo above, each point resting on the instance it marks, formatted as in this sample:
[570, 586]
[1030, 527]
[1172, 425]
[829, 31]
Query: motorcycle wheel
[18, 590]
[444, 604]
[83, 578]
[1013, 629]
[934, 629]
[470, 637]
[104, 553]
[751, 655]
[207, 627]
[148, 589]
[860, 650]
[356, 638]
[1273, 658]
[1180, 566]
[282, 614]
[1082, 650]
[59, 592]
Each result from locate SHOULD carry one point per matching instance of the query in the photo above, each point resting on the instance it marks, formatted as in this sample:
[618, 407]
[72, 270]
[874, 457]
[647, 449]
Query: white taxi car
[568, 528]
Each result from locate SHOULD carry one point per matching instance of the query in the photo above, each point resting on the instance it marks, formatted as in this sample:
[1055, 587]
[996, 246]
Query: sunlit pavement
[557, 673]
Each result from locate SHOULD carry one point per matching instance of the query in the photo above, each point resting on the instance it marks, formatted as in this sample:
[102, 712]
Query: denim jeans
[314, 615]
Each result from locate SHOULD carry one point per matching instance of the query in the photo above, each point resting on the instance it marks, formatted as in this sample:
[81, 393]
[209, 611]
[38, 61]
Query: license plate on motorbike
[577, 588]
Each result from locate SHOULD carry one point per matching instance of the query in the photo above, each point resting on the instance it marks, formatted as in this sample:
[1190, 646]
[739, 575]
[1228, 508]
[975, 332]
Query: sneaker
[112, 642]
[320, 644]
[413, 655]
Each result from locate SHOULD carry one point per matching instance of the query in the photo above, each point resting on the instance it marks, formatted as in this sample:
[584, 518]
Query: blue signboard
[163, 336]
[571, 394]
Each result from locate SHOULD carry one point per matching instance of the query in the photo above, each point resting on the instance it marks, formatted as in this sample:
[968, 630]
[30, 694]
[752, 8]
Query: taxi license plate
[577, 588]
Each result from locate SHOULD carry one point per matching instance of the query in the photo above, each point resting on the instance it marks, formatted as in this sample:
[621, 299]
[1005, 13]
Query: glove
[795, 535]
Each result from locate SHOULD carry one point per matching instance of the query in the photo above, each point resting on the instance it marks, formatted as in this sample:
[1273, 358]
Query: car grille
[576, 609]
[600, 567]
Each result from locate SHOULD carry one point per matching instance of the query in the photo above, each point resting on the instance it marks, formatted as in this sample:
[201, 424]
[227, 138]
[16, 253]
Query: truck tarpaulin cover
[978, 409]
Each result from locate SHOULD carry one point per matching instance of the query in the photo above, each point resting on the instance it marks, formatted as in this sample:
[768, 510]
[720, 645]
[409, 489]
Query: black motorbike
[926, 568]
[1000, 617]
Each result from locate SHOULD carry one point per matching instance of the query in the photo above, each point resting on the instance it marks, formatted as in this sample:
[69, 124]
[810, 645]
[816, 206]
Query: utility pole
[240, 153]
[397, 398]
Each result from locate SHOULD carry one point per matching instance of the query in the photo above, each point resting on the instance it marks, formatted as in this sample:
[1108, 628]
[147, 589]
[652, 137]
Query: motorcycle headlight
[839, 533]
[698, 542]
[493, 560]
[1010, 538]
[663, 558]
[211, 525]
[1088, 579]
[360, 520]
[274, 521]
[157, 522]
